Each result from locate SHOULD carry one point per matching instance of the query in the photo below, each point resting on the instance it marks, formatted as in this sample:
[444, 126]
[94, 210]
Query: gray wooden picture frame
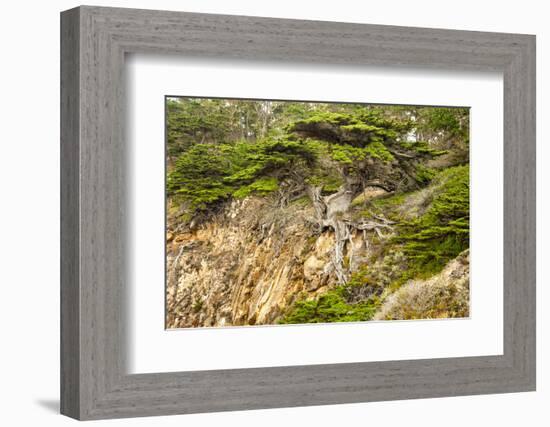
[94, 381]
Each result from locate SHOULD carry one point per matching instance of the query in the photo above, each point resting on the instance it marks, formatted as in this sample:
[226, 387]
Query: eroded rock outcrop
[443, 295]
[246, 265]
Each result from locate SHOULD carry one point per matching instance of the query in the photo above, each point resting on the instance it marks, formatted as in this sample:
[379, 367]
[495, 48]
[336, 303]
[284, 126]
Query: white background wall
[29, 225]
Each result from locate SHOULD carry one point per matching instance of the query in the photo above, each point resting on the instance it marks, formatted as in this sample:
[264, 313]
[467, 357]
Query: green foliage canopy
[209, 173]
[218, 148]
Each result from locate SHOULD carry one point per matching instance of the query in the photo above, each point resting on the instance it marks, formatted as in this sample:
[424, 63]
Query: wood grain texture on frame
[94, 271]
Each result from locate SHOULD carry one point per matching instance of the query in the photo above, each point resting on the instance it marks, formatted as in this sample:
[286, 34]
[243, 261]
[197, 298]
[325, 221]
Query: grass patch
[329, 307]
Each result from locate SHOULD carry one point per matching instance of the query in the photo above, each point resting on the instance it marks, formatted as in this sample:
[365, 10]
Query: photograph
[297, 212]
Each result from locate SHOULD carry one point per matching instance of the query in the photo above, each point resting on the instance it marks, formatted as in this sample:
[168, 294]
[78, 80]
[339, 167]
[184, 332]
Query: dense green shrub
[424, 174]
[261, 186]
[442, 232]
[329, 307]
[349, 154]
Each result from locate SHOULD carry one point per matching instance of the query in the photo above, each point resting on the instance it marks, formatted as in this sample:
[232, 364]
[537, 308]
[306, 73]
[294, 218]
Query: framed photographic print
[261, 213]
[284, 212]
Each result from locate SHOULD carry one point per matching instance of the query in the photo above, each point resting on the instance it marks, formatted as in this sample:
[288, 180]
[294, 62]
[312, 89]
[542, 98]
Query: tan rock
[444, 295]
[244, 266]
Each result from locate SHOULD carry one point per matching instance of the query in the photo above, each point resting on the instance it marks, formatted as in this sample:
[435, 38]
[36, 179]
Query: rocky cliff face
[249, 263]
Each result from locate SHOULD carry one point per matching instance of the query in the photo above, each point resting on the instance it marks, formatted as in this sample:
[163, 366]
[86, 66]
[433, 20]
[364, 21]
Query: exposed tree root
[327, 211]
